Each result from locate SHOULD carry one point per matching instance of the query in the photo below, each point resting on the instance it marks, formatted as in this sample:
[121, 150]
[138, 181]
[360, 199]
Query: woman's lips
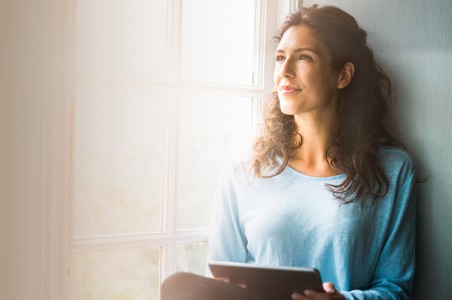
[288, 89]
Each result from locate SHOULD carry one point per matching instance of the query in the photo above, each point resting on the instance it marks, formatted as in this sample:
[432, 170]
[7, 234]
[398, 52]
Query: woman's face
[303, 76]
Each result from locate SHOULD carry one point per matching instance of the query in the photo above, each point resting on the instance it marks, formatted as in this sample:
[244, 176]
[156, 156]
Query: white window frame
[267, 21]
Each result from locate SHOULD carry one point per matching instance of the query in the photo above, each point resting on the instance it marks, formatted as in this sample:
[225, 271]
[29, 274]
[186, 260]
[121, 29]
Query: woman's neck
[310, 158]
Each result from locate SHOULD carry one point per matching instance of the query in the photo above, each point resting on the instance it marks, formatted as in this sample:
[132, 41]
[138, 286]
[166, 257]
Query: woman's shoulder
[237, 162]
[395, 159]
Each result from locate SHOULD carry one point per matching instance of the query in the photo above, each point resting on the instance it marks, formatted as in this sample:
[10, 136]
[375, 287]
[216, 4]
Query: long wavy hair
[363, 112]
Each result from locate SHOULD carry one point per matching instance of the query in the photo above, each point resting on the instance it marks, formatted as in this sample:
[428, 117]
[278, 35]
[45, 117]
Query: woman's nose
[287, 69]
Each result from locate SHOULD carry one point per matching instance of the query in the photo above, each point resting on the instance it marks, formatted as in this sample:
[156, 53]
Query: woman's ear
[346, 75]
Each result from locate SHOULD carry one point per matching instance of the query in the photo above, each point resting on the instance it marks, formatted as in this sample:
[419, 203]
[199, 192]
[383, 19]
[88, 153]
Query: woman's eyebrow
[298, 50]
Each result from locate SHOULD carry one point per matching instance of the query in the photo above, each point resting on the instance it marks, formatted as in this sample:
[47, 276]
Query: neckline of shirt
[314, 178]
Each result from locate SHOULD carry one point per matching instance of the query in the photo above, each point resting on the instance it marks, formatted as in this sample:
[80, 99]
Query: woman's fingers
[224, 279]
[227, 280]
[330, 294]
[329, 287]
[296, 296]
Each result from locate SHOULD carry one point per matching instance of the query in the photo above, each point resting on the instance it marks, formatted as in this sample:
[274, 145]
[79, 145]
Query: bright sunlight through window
[165, 91]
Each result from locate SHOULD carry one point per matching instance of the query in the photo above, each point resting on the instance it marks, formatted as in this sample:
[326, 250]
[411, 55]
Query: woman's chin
[288, 105]
[288, 110]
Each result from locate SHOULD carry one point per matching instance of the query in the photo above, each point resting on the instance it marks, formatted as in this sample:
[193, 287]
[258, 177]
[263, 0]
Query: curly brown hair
[363, 112]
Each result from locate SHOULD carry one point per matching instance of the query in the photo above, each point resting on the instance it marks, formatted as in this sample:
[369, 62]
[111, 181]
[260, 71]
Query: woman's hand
[227, 280]
[330, 294]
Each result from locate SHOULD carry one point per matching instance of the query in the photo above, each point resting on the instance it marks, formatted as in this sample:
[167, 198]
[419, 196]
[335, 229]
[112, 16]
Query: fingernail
[308, 293]
[294, 296]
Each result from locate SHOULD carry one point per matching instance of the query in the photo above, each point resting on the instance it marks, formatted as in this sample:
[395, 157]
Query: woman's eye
[279, 58]
[305, 57]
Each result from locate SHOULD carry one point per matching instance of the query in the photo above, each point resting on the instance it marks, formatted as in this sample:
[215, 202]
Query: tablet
[270, 282]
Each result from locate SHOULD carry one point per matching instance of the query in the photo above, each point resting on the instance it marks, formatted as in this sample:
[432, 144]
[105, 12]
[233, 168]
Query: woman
[324, 186]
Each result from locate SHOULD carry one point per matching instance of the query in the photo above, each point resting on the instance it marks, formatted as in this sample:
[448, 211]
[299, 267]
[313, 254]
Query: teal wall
[413, 40]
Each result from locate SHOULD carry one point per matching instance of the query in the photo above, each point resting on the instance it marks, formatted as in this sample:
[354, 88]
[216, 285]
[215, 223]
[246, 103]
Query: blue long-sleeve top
[291, 219]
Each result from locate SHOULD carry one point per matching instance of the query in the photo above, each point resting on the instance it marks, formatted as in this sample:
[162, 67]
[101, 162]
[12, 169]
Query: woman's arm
[227, 240]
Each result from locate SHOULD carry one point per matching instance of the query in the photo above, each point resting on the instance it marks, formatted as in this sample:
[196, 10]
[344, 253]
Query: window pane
[212, 128]
[118, 154]
[116, 274]
[192, 258]
[218, 45]
[122, 38]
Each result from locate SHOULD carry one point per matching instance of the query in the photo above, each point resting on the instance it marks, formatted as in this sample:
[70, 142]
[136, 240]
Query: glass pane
[218, 45]
[118, 150]
[122, 38]
[116, 274]
[212, 128]
[192, 258]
